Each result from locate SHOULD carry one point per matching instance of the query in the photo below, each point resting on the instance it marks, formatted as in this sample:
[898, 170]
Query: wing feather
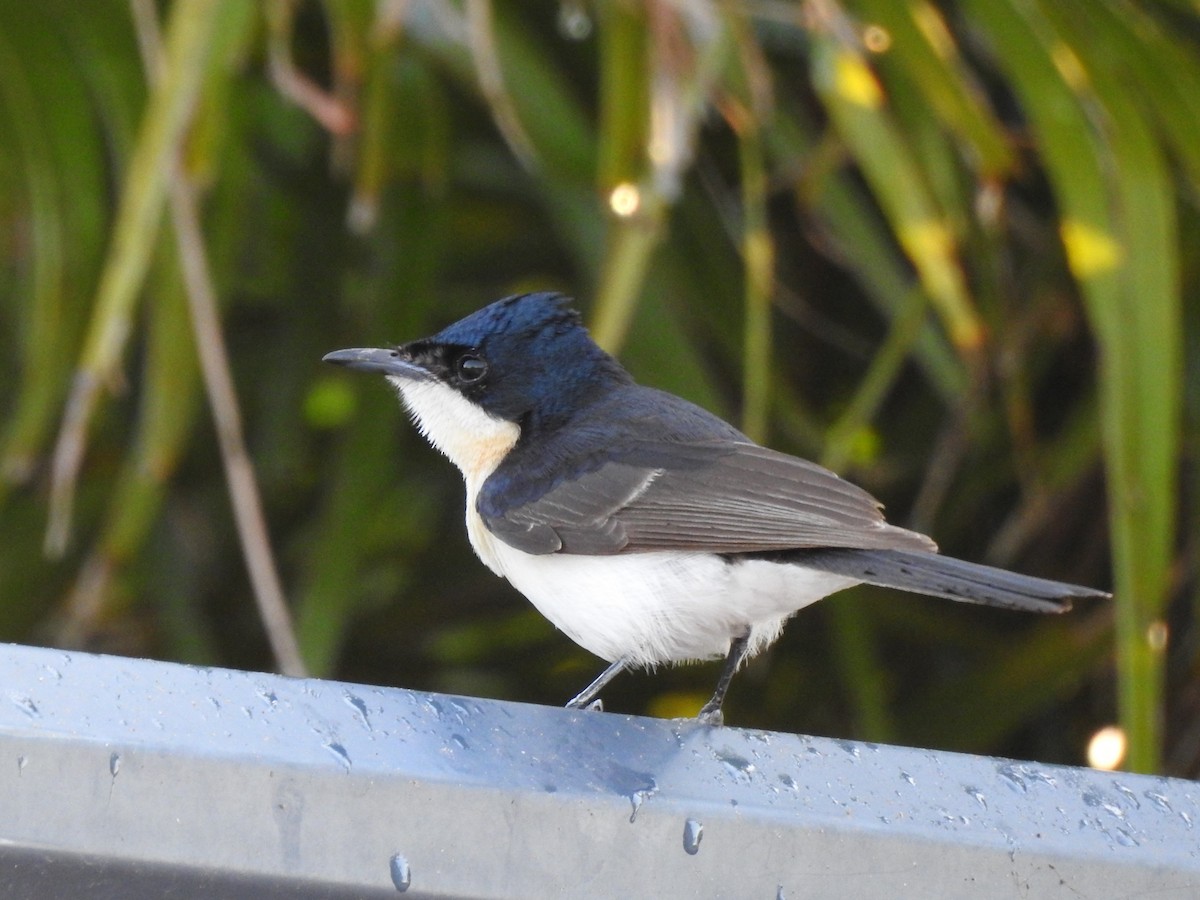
[719, 496]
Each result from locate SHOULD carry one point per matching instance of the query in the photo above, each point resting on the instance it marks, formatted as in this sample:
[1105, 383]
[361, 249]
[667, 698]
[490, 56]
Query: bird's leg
[585, 697]
[710, 713]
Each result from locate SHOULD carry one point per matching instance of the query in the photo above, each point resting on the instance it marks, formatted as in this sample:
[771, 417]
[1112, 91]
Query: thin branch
[481, 40]
[218, 383]
[336, 116]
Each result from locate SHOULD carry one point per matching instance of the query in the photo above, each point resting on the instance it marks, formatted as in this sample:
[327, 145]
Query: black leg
[588, 694]
[710, 713]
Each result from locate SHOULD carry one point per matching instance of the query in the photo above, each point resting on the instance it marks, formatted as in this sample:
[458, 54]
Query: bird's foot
[711, 715]
[586, 704]
[588, 698]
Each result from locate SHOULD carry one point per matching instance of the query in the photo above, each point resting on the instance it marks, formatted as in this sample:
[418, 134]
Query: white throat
[472, 439]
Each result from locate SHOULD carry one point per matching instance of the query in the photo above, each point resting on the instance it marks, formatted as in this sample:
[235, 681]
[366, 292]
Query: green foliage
[940, 247]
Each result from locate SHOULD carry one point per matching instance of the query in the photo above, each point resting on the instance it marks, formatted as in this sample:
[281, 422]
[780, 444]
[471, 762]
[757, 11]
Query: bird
[645, 528]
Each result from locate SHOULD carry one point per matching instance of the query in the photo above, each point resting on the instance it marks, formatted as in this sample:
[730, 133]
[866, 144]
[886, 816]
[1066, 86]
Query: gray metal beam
[128, 778]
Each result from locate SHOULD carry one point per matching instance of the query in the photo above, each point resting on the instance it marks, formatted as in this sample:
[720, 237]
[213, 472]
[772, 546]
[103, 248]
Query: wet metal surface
[129, 778]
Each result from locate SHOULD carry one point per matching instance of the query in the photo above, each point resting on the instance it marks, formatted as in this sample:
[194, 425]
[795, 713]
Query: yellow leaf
[1090, 251]
[854, 81]
[1069, 67]
[928, 238]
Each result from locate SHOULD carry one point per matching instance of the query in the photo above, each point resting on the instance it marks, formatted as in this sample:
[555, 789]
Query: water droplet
[640, 796]
[779, 895]
[1044, 777]
[359, 706]
[22, 762]
[1187, 820]
[435, 706]
[458, 741]
[339, 751]
[635, 785]
[1124, 838]
[850, 747]
[738, 766]
[400, 872]
[268, 697]
[215, 702]
[908, 778]
[1012, 778]
[1096, 799]
[789, 782]
[53, 672]
[693, 831]
[1161, 802]
[1128, 794]
[114, 764]
[25, 705]
[978, 795]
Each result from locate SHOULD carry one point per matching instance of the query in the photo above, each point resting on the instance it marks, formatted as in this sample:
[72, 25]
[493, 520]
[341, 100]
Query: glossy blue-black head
[526, 359]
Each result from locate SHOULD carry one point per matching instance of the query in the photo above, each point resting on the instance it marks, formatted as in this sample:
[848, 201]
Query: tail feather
[944, 576]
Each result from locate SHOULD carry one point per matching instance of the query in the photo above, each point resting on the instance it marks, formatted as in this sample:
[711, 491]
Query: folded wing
[720, 496]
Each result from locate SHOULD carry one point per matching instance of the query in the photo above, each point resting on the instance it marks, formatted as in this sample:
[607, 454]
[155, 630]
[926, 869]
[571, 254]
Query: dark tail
[944, 576]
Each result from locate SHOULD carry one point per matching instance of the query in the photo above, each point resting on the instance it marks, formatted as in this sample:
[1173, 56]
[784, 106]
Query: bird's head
[520, 364]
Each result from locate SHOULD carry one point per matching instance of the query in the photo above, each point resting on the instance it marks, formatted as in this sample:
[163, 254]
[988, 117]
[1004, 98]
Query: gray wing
[717, 497]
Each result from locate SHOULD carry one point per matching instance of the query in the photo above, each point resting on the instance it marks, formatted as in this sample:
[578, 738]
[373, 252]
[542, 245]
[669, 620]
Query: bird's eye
[470, 368]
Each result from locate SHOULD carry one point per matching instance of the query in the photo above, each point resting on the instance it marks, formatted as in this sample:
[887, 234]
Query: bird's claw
[596, 705]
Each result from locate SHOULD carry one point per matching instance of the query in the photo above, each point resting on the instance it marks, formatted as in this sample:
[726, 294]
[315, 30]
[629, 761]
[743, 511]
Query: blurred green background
[947, 248]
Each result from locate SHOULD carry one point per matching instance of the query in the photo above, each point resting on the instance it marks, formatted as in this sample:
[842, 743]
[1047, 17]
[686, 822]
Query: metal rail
[128, 778]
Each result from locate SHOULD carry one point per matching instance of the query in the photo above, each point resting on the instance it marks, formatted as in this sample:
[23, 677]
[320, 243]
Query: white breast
[471, 438]
[649, 608]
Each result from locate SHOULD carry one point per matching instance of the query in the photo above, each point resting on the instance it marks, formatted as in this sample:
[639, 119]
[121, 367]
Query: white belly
[657, 607]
